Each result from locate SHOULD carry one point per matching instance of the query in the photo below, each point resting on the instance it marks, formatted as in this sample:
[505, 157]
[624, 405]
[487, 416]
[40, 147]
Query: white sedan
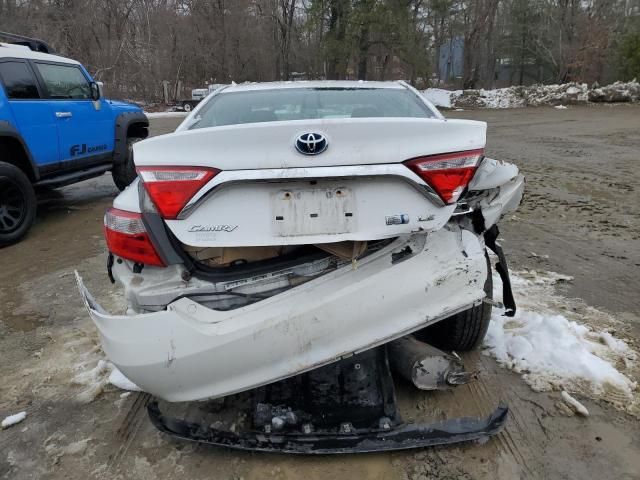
[285, 226]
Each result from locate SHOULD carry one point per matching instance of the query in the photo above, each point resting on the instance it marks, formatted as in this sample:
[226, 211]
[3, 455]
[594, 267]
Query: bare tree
[135, 45]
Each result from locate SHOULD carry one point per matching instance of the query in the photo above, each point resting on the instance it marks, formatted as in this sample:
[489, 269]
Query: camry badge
[212, 228]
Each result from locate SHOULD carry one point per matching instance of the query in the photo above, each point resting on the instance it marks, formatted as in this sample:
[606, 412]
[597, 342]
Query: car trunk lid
[351, 141]
[266, 193]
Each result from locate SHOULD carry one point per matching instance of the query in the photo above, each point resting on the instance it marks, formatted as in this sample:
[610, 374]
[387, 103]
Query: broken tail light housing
[127, 237]
[171, 188]
[448, 174]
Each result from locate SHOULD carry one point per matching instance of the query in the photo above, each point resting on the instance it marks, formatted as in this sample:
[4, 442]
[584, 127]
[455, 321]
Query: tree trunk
[363, 52]
[336, 64]
[480, 23]
[522, 48]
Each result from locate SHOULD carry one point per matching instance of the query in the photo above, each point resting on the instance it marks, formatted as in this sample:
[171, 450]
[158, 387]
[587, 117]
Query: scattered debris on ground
[13, 419]
[535, 95]
[575, 404]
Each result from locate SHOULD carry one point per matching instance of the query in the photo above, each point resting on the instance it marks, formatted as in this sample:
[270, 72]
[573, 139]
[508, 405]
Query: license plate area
[313, 211]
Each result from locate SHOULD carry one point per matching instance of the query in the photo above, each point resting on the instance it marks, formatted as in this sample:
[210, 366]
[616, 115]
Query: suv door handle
[64, 114]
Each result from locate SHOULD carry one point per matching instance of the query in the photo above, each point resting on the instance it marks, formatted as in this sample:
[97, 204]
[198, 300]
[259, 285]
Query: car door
[85, 126]
[32, 114]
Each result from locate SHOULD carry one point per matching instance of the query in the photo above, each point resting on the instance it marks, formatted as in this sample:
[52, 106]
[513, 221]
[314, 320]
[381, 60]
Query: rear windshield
[309, 103]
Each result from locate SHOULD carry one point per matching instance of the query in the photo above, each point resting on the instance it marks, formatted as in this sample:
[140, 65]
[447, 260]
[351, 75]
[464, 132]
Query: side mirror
[101, 88]
[95, 91]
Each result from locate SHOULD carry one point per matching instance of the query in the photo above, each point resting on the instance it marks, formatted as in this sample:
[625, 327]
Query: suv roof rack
[33, 43]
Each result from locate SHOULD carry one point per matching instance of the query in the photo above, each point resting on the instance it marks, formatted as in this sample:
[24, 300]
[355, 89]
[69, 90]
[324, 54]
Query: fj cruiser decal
[82, 148]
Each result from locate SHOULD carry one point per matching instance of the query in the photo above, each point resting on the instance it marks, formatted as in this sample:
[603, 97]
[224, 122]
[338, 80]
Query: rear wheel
[17, 204]
[187, 107]
[465, 330]
[125, 173]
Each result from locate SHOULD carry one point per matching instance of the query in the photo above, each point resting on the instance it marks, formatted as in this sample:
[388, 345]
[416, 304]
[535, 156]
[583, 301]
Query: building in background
[450, 61]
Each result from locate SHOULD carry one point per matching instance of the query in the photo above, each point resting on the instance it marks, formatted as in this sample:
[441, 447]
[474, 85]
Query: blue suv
[55, 129]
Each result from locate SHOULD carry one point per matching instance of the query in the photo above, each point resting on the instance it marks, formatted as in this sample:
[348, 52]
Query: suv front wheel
[125, 173]
[17, 204]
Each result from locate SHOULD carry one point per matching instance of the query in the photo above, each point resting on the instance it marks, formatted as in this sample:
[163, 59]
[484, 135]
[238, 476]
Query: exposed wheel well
[12, 151]
[139, 130]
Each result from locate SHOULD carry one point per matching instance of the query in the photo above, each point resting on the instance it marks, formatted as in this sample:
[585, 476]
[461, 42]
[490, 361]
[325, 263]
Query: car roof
[311, 84]
[9, 50]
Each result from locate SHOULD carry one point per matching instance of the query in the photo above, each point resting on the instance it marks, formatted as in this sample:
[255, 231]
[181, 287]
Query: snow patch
[535, 95]
[13, 419]
[56, 451]
[97, 378]
[553, 352]
[616, 92]
[439, 97]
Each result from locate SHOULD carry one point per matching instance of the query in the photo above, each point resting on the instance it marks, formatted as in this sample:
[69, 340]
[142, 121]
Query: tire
[18, 204]
[187, 107]
[125, 173]
[463, 331]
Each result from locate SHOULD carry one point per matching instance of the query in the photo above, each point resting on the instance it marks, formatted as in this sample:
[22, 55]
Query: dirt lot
[580, 217]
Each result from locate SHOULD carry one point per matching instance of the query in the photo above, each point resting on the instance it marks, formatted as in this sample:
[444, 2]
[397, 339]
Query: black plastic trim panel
[77, 164]
[123, 121]
[8, 130]
[74, 176]
[159, 236]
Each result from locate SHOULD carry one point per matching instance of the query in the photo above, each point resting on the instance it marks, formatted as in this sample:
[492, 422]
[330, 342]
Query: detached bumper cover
[403, 437]
[189, 352]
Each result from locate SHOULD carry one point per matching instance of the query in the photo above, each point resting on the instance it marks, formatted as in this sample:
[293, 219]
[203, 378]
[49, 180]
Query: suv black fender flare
[123, 121]
[7, 130]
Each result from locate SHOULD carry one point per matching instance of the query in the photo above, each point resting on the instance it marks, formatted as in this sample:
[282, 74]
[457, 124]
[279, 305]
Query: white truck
[197, 94]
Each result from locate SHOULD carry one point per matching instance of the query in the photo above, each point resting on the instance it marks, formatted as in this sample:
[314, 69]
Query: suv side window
[19, 81]
[64, 81]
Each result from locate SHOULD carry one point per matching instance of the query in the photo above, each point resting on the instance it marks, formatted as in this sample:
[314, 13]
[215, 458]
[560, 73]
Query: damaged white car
[285, 227]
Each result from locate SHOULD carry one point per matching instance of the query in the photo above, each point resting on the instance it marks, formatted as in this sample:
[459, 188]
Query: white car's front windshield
[254, 106]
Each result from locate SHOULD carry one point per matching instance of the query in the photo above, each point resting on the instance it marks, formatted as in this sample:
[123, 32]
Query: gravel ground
[580, 217]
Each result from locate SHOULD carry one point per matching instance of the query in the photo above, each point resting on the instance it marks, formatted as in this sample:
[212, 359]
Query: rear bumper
[411, 435]
[189, 352]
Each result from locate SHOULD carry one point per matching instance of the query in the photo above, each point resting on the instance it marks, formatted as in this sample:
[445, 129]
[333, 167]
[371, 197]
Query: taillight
[127, 238]
[448, 174]
[170, 188]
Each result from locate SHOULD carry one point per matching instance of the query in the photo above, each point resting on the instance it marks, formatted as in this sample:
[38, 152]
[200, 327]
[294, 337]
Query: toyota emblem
[311, 143]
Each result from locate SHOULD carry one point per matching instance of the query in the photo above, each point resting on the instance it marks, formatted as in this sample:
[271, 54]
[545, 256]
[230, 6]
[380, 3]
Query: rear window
[18, 80]
[309, 103]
